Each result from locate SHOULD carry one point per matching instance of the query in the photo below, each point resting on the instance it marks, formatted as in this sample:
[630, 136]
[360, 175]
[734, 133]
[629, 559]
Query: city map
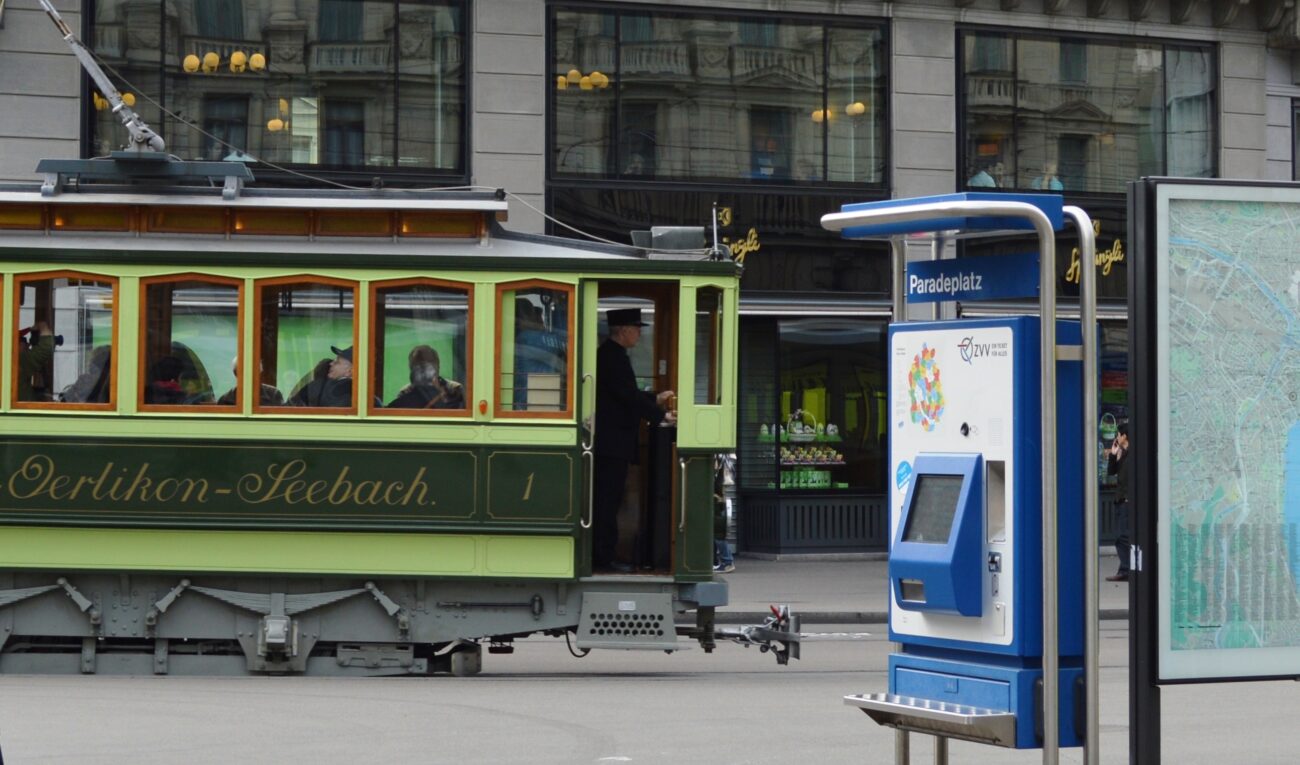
[1233, 447]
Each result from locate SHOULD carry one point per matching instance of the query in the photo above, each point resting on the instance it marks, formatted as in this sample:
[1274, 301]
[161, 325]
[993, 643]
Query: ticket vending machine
[965, 563]
[993, 597]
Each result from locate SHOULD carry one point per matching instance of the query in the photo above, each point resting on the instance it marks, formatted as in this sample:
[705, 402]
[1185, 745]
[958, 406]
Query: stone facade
[40, 115]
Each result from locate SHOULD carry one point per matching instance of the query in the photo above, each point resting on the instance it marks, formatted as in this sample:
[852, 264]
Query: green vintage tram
[187, 486]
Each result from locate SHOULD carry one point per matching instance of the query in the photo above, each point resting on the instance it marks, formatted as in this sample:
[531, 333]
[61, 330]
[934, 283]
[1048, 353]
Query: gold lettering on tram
[39, 477]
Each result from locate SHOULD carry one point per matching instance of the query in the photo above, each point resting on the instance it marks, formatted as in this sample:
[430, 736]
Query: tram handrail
[591, 422]
[591, 489]
[681, 465]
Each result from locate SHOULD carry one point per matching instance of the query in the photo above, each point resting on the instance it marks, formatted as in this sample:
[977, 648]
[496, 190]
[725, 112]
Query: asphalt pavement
[844, 590]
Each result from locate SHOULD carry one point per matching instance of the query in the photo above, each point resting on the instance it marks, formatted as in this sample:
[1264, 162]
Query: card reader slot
[995, 488]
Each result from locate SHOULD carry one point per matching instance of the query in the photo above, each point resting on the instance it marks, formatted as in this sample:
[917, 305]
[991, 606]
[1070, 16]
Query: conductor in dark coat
[620, 408]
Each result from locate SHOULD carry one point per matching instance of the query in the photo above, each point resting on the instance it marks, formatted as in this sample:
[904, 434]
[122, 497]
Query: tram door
[646, 512]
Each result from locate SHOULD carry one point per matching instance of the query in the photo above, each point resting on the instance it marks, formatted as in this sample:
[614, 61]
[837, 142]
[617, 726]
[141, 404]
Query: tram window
[64, 356]
[708, 345]
[191, 345]
[422, 346]
[305, 333]
[533, 367]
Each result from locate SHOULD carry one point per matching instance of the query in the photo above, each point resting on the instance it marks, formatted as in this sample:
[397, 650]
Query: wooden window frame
[468, 383]
[112, 281]
[258, 286]
[143, 355]
[570, 355]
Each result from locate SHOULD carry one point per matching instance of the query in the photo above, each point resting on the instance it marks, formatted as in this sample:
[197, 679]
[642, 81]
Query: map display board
[1227, 420]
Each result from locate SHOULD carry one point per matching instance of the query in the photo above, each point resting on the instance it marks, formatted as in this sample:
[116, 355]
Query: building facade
[759, 117]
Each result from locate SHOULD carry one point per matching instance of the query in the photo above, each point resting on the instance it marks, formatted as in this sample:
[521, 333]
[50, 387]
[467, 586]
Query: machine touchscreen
[934, 505]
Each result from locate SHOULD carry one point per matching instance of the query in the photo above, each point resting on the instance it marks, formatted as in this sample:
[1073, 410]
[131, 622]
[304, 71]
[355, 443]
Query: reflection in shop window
[345, 132]
[1295, 139]
[222, 19]
[340, 20]
[1085, 115]
[66, 340]
[1074, 61]
[333, 94]
[225, 119]
[682, 96]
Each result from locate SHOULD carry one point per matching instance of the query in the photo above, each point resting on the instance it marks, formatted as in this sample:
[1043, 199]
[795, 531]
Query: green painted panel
[348, 553]
[695, 546]
[531, 486]
[247, 484]
[528, 556]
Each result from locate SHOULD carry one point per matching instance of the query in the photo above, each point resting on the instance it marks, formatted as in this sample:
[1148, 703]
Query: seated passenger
[269, 394]
[334, 389]
[428, 390]
[92, 387]
[165, 383]
[33, 355]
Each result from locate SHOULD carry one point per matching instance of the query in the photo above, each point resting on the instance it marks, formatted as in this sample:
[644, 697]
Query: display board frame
[1159, 452]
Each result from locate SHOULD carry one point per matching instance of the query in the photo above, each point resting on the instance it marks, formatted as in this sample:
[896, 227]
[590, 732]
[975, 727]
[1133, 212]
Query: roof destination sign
[995, 277]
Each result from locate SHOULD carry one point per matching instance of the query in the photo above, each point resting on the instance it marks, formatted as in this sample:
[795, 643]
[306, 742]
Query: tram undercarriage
[222, 625]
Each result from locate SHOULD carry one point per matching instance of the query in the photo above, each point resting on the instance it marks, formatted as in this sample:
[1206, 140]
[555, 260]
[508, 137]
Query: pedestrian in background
[723, 562]
[1117, 465]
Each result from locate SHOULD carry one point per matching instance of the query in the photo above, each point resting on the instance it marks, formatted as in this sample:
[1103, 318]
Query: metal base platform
[938, 718]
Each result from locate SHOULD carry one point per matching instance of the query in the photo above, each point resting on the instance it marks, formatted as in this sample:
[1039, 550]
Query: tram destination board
[283, 485]
[1221, 373]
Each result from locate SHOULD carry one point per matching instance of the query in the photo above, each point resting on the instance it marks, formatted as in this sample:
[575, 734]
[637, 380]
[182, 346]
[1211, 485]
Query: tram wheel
[467, 660]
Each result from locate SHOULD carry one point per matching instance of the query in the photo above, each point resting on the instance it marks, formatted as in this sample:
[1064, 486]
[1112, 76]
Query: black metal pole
[1143, 621]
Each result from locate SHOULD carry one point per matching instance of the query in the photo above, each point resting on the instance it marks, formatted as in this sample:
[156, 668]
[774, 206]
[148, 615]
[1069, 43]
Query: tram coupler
[779, 633]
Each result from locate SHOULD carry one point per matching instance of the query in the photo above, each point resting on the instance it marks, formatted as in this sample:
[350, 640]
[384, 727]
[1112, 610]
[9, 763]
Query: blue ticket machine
[965, 562]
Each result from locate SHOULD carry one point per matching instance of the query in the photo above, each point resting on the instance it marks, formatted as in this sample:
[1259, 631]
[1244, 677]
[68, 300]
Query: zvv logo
[971, 350]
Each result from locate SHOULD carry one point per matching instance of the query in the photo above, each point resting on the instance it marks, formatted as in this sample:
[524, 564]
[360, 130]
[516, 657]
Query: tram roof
[498, 248]
[189, 196]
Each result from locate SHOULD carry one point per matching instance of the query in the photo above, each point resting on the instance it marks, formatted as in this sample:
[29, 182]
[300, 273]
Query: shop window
[190, 349]
[64, 357]
[1295, 139]
[305, 331]
[708, 345]
[534, 321]
[422, 347]
[786, 113]
[813, 410]
[375, 83]
[1085, 115]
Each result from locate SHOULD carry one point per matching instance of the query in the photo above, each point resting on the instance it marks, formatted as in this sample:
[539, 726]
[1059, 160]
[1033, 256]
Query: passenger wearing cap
[620, 407]
[334, 388]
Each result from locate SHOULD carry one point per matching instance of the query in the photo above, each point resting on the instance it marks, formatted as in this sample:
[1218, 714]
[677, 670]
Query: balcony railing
[660, 58]
[786, 63]
[351, 57]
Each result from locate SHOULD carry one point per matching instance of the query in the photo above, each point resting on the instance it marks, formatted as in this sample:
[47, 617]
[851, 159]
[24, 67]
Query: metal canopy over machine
[924, 577]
